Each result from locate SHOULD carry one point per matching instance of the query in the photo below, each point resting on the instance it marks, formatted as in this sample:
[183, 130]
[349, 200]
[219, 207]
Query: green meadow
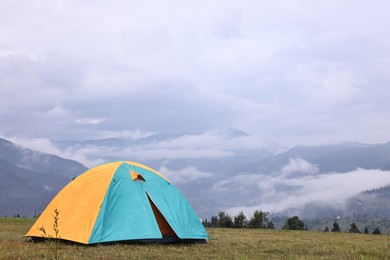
[224, 244]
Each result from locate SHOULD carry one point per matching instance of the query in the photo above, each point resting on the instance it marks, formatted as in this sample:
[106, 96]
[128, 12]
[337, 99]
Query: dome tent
[120, 201]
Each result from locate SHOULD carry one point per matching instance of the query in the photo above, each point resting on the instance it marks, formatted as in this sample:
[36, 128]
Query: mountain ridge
[30, 179]
[239, 180]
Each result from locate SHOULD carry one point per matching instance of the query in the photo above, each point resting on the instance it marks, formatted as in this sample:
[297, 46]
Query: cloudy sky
[290, 72]
[286, 72]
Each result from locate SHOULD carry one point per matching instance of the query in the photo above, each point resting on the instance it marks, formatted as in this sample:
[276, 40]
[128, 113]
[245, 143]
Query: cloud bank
[282, 192]
[185, 175]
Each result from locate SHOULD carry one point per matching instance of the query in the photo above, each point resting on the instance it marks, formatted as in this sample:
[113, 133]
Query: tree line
[353, 229]
[260, 219]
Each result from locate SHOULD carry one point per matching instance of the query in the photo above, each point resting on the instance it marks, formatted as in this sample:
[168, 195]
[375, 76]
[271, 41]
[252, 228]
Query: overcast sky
[291, 72]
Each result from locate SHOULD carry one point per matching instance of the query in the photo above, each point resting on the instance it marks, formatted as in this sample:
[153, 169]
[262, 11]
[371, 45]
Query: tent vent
[135, 176]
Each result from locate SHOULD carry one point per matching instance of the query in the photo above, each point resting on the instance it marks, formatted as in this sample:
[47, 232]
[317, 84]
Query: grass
[225, 244]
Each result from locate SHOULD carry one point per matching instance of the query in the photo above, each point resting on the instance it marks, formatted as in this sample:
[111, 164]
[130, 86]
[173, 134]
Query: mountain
[30, 179]
[314, 181]
[153, 142]
[183, 158]
[343, 157]
[219, 170]
[39, 161]
[371, 202]
[251, 177]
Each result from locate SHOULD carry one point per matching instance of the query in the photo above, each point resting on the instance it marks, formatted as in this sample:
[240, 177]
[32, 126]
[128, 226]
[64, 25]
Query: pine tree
[270, 225]
[259, 219]
[354, 228]
[326, 229]
[214, 221]
[240, 220]
[376, 231]
[294, 223]
[224, 220]
[336, 227]
[366, 230]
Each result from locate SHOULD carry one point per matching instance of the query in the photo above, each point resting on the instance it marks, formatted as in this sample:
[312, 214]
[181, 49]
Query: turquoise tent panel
[126, 213]
[172, 205]
[177, 211]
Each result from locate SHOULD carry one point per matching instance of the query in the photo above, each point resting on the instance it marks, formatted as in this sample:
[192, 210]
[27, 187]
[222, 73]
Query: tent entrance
[165, 229]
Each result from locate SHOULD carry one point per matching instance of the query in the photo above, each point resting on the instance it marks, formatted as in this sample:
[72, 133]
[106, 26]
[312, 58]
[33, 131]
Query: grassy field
[225, 244]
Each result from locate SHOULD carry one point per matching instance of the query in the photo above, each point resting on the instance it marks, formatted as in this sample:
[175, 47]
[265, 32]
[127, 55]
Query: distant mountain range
[29, 179]
[248, 178]
[343, 157]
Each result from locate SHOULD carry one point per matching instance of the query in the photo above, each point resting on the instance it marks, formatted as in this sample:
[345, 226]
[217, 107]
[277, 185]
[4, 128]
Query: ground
[224, 244]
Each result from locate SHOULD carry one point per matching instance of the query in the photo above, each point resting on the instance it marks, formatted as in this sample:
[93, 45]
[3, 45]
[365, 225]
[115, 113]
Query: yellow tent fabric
[81, 199]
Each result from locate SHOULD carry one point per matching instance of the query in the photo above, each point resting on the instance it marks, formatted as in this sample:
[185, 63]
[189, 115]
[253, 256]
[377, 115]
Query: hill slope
[29, 179]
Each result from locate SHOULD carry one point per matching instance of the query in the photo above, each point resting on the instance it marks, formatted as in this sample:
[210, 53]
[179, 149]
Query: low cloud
[157, 154]
[228, 139]
[89, 121]
[57, 112]
[211, 145]
[299, 166]
[185, 175]
[281, 192]
[38, 144]
[43, 145]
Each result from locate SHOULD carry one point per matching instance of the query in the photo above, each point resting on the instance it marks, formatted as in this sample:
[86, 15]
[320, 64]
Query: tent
[120, 202]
